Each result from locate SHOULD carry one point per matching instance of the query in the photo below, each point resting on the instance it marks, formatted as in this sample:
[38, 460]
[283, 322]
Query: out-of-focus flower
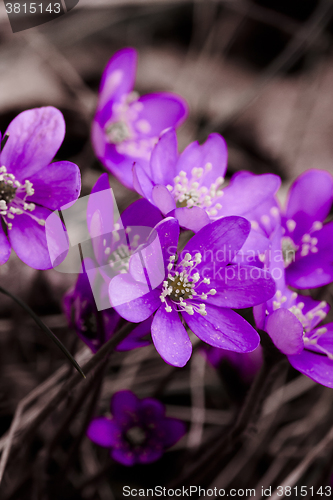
[31, 186]
[247, 364]
[139, 431]
[114, 237]
[189, 186]
[97, 327]
[292, 322]
[197, 287]
[126, 127]
[306, 242]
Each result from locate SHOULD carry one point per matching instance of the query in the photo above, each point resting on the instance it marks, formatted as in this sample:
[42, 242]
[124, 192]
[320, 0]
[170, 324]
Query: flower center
[180, 286]
[118, 259]
[289, 250]
[190, 193]
[12, 198]
[117, 132]
[135, 436]
[7, 191]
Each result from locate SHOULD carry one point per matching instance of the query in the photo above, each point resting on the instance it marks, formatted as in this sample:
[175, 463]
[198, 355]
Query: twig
[296, 474]
[44, 328]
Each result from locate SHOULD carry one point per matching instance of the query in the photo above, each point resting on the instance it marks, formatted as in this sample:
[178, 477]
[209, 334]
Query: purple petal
[124, 456]
[225, 236]
[286, 331]
[142, 182]
[247, 191]
[104, 432]
[149, 455]
[119, 76]
[174, 430]
[124, 408]
[135, 338]
[170, 337]
[141, 213]
[28, 239]
[315, 269]
[254, 247]
[5, 247]
[151, 410]
[318, 368]
[223, 328]
[194, 218]
[34, 138]
[56, 185]
[213, 151]
[164, 158]
[162, 111]
[259, 314]
[132, 299]
[310, 199]
[238, 286]
[163, 199]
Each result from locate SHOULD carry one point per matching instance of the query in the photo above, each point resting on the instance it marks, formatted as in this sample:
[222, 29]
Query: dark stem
[45, 329]
[68, 386]
[209, 463]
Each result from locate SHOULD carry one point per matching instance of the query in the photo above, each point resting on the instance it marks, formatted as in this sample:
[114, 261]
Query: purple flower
[306, 242]
[198, 287]
[126, 127]
[189, 186]
[114, 237]
[139, 431]
[293, 323]
[97, 327]
[31, 187]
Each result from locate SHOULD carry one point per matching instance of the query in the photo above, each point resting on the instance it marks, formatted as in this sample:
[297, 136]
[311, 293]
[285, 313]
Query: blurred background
[260, 72]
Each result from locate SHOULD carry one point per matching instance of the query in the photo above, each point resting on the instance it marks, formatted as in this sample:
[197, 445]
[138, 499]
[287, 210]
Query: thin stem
[107, 348]
[45, 329]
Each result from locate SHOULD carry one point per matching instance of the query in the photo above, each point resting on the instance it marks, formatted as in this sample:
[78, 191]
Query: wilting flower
[31, 186]
[97, 327]
[139, 431]
[189, 186]
[292, 321]
[246, 364]
[197, 287]
[126, 127]
[306, 242]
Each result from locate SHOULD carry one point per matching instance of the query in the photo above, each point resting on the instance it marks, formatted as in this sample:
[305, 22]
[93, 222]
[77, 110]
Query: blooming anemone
[292, 321]
[306, 241]
[126, 126]
[139, 431]
[97, 327]
[197, 287]
[190, 187]
[31, 186]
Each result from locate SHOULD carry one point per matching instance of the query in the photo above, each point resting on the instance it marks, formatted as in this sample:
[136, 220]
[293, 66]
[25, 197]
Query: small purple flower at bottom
[139, 431]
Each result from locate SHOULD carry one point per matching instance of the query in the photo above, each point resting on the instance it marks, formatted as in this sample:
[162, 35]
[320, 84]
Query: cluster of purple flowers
[211, 247]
